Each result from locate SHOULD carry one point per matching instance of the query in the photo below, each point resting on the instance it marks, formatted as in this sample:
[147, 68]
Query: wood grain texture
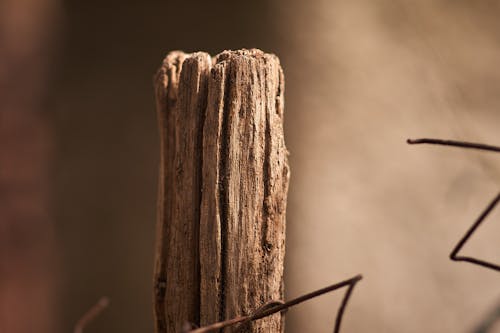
[223, 187]
[181, 103]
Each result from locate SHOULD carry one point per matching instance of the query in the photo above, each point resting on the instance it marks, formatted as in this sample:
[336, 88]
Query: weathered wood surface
[181, 99]
[223, 185]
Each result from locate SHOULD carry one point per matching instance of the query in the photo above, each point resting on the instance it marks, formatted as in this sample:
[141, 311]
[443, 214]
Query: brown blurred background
[79, 155]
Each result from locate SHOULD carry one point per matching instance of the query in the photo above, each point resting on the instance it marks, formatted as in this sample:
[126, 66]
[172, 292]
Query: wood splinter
[222, 189]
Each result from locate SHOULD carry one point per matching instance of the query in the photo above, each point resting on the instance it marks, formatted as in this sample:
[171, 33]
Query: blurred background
[79, 155]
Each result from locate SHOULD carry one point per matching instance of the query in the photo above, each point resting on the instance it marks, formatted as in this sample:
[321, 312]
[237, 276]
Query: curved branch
[276, 306]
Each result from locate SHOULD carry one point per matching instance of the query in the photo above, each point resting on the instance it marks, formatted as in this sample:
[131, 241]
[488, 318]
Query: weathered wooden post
[223, 186]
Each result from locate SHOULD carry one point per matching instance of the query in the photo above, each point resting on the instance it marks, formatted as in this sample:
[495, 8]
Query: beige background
[364, 76]
[361, 77]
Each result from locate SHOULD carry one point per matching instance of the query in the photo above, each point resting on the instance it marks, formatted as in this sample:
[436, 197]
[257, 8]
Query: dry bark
[223, 185]
[181, 99]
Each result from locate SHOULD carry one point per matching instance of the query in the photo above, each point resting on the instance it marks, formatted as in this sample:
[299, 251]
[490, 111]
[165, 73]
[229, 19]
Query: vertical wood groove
[223, 195]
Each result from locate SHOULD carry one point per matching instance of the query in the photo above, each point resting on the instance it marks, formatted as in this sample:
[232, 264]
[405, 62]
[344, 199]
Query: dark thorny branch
[454, 254]
[279, 306]
[91, 314]
[470, 145]
[454, 143]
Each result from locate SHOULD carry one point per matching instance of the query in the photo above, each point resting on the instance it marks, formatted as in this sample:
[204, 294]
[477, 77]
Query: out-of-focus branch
[91, 314]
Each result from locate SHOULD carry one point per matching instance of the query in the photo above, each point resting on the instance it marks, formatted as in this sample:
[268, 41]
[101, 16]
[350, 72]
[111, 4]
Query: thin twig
[276, 306]
[468, 234]
[454, 254]
[454, 143]
[91, 314]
